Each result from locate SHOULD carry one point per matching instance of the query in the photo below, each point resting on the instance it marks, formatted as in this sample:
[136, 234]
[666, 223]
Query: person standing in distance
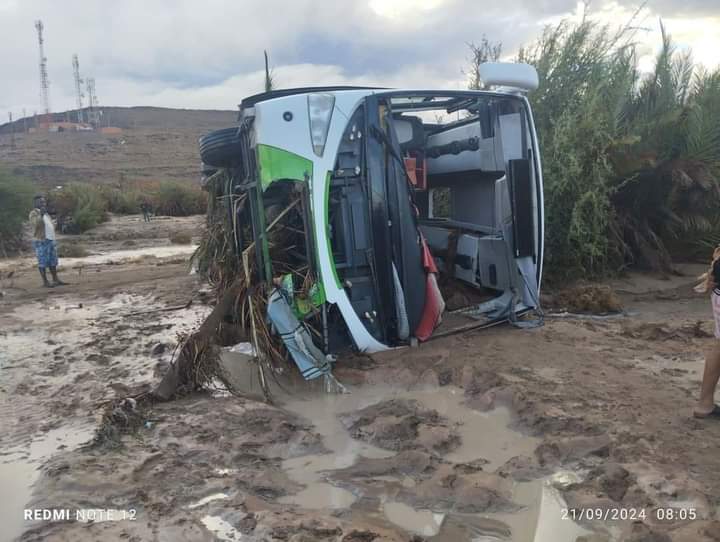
[44, 242]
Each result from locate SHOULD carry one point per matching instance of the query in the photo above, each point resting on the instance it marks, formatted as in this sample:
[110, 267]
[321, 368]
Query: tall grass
[631, 161]
[16, 199]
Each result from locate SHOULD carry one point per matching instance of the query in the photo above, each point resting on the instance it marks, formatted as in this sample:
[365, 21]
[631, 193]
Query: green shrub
[16, 199]
[81, 206]
[178, 199]
[123, 202]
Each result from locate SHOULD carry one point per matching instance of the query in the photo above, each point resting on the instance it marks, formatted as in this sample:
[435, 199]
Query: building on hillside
[63, 127]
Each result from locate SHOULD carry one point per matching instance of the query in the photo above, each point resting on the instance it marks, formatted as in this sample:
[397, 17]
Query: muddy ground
[501, 434]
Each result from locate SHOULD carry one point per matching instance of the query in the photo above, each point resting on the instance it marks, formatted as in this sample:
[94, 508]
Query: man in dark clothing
[145, 208]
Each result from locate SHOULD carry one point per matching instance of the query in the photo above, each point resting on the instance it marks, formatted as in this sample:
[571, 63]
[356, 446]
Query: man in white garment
[44, 242]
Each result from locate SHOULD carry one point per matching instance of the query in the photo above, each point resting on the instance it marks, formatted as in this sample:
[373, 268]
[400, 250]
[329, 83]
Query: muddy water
[343, 451]
[541, 518]
[52, 379]
[221, 529]
[19, 469]
[423, 522]
[484, 436]
[104, 258]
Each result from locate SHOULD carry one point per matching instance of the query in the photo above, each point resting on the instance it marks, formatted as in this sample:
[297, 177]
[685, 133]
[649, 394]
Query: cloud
[185, 53]
[686, 8]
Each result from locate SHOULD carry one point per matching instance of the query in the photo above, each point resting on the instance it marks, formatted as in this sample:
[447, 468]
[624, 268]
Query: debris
[587, 298]
[308, 357]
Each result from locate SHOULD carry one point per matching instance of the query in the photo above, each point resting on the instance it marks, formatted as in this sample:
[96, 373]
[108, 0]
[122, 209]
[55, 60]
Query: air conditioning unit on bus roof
[510, 75]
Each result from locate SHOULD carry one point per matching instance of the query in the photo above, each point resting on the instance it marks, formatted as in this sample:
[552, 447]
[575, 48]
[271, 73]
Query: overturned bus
[403, 213]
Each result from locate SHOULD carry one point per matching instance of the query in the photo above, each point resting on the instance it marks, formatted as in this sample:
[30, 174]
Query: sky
[208, 54]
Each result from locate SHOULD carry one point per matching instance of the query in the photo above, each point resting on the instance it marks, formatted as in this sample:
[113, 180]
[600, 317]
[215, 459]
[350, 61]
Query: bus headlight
[320, 109]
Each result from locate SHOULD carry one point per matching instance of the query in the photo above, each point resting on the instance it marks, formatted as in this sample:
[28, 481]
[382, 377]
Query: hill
[155, 144]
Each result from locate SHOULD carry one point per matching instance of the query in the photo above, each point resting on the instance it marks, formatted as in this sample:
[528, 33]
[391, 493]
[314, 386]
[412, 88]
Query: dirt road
[503, 434]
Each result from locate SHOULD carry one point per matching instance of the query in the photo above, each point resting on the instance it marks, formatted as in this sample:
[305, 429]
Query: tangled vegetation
[631, 160]
[16, 197]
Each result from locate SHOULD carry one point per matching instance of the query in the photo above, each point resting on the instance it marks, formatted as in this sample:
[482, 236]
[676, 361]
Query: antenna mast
[44, 81]
[12, 132]
[93, 112]
[78, 88]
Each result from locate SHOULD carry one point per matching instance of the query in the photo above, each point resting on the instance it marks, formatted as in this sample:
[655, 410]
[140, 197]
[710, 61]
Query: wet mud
[486, 436]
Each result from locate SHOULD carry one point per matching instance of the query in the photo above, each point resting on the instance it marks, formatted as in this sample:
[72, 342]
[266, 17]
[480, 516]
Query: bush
[16, 199]
[177, 199]
[79, 206]
[123, 202]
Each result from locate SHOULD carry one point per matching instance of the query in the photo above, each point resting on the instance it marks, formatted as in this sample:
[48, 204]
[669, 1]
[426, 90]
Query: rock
[157, 350]
[614, 481]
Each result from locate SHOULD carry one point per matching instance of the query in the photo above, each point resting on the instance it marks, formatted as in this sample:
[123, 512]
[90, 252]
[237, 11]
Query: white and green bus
[421, 210]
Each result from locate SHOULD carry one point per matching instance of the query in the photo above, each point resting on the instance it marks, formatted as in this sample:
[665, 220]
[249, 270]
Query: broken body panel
[401, 208]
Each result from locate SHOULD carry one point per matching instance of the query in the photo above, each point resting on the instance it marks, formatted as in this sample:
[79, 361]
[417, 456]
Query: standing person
[145, 208]
[706, 407]
[44, 241]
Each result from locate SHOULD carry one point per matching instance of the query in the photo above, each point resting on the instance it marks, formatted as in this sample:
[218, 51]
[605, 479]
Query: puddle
[343, 450]
[221, 528]
[208, 499]
[541, 519]
[19, 469]
[320, 495]
[423, 522]
[125, 256]
[484, 436]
